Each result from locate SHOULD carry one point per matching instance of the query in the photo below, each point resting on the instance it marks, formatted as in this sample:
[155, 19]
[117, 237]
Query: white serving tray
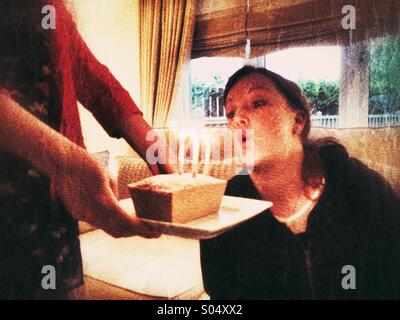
[233, 211]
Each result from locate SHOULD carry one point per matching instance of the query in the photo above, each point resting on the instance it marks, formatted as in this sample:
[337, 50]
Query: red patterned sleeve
[96, 88]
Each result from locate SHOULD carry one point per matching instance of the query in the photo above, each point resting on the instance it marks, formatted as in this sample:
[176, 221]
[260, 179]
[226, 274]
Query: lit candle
[181, 155]
[195, 154]
[207, 154]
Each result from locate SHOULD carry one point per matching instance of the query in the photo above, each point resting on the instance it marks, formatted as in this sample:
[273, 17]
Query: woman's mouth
[244, 140]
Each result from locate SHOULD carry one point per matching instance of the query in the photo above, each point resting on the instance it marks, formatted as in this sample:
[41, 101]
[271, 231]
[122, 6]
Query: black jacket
[356, 222]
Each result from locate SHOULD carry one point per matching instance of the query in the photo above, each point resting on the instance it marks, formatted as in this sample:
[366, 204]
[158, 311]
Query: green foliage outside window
[384, 91]
[322, 95]
[201, 90]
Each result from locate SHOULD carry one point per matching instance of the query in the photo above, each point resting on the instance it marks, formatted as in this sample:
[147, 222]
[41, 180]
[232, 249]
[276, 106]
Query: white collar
[298, 214]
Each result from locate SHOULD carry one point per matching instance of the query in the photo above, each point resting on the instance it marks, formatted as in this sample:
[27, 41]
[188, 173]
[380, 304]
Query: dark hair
[287, 88]
[312, 168]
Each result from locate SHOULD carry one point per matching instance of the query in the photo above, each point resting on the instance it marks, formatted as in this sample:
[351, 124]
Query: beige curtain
[272, 25]
[166, 31]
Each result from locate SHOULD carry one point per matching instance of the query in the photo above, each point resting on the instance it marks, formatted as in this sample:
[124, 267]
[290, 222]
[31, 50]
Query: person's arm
[82, 184]
[135, 130]
[102, 94]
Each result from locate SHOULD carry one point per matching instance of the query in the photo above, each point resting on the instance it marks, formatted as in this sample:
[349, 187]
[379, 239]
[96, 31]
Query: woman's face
[255, 103]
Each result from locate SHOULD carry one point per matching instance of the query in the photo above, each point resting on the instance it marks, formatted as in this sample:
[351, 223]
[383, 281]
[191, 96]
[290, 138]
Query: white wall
[111, 30]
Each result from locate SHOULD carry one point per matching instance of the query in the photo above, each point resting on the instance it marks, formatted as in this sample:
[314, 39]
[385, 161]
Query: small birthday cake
[177, 197]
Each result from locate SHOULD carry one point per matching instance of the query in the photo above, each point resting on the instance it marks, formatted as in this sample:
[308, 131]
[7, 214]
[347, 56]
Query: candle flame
[195, 149]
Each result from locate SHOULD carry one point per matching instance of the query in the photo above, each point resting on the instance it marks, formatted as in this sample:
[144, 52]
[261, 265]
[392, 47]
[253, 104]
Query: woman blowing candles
[47, 179]
[330, 211]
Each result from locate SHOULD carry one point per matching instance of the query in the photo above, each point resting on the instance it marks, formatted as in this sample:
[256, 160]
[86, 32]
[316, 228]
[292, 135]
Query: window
[318, 71]
[317, 74]
[208, 77]
[384, 83]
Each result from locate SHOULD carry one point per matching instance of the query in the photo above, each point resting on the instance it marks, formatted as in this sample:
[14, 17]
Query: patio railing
[324, 121]
[385, 120]
[374, 121]
[211, 108]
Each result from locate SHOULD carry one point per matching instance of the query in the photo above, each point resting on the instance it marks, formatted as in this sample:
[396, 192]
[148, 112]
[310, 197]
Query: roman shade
[222, 29]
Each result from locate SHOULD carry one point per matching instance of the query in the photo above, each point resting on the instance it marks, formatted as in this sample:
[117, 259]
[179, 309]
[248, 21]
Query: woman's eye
[258, 103]
[230, 114]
